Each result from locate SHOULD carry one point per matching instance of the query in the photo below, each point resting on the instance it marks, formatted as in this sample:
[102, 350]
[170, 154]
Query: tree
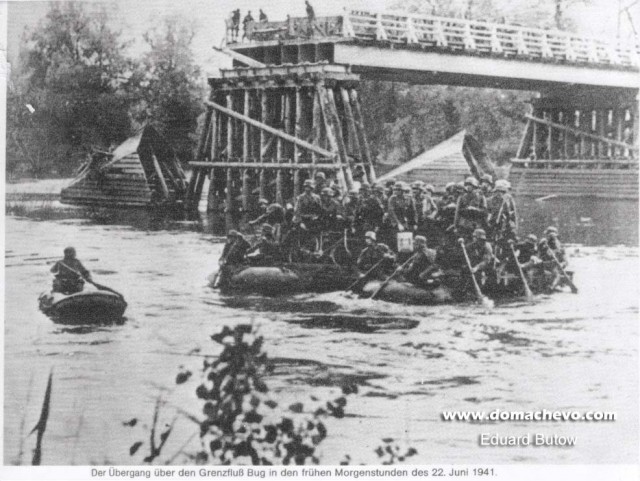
[170, 92]
[75, 76]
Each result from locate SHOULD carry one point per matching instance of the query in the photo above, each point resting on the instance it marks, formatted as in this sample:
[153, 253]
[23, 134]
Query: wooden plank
[263, 143]
[581, 133]
[230, 154]
[296, 133]
[362, 135]
[245, 154]
[332, 136]
[260, 125]
[268, 165]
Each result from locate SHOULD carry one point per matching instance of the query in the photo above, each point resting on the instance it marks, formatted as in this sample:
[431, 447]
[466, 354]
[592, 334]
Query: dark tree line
[77, 89]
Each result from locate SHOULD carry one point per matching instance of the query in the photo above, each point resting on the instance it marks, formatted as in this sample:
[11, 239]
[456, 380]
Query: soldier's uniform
[307, 208]
[235, 249]
[331, 211]
[480, 255]
[502, 215]
[374, 253]
[421, 269]
[66, 280]
[351, 206]
[471, 207]
[267, 250]
[401, 210]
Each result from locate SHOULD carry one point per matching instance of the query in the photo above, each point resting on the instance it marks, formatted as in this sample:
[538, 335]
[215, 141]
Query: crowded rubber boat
[395, 242]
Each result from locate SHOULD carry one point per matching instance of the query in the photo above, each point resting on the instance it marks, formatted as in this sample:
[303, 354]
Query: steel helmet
[471, 181]
[370, 235]
[480, 234]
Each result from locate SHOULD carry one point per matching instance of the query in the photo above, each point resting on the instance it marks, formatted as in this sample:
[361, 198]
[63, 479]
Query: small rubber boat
[86, 307]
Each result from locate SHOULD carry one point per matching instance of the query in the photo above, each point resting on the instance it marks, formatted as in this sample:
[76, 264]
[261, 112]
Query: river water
[563, 352]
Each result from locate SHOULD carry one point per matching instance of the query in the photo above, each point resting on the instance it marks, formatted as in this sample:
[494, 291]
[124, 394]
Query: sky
[134, 17]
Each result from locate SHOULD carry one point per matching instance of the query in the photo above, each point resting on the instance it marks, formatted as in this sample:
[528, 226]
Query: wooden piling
[263, 143]
[245, 155]
[230, 156]
[362, 136]
[297, 131]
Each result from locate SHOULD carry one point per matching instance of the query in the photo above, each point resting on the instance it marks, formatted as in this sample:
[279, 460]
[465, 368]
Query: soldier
[447, 206]
[486, 184]
[401, 210]
[550, 266]
[417, 192]
[267, 251]
[370, 212]
[351, 206]
[320, 181]
[263, 204]
[235, 24]
[471, 208]
[307, 208]
[69, 273]
[502, 216]
[422, 270]
[263, 17]
[311, 16]
[379, 193]
[331, 211]
[234, 250]
[480, 255]
[374, 253]
[551, 233]
[245, 25]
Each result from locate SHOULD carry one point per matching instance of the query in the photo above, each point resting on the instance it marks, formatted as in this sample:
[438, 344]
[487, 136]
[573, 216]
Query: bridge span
[425, 49]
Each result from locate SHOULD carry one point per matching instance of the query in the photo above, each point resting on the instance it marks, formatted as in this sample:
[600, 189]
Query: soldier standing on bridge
[235, 24]
[263, 17]
[245, 25]
[311, 17]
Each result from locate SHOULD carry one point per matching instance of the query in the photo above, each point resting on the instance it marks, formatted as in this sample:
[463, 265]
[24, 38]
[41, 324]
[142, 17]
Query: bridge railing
[451, 34]
[486, 37]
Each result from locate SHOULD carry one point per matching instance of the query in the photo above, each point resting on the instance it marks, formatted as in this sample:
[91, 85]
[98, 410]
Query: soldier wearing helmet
[234, 250]
[480, 253]
[471, 208]
[320, 181]
[69, 273]
[350, 207]
[447, 207]
[331, 211]
[551, 234]
[401, 209]
[267, 250]
[421, 269]
[417, 191]
[372, 254]
[371, 210]
[502, 216]
[486, 184]
[307, 207]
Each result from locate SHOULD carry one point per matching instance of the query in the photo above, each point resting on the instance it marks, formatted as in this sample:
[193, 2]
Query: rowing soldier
[422, 270]
[69, 273]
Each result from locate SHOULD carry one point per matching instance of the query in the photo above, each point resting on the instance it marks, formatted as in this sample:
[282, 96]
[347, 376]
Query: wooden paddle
[384, 284]
[482, 299]
[573, 287]
[527, 290]
[98, 286]
[366, 274]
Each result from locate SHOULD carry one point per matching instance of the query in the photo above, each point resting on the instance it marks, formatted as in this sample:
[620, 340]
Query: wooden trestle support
[267, 129]
[589, 129]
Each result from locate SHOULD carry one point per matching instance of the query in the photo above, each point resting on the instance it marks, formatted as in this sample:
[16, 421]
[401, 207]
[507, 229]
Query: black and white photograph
[315, 239]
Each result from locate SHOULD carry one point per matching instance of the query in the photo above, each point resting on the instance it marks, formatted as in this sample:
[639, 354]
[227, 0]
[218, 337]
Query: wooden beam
[362, 135]
[267, 165]
[581, 133]
[296, 133]
[260, 125]
[230, 154]
[283, 107]
[248, 61]
[245, 154]
[263, 145]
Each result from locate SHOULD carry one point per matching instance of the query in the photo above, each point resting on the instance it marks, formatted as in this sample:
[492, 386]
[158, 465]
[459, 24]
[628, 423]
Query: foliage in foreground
[243, 423]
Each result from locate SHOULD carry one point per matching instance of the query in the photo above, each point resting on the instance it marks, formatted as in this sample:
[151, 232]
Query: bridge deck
[395, 45]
